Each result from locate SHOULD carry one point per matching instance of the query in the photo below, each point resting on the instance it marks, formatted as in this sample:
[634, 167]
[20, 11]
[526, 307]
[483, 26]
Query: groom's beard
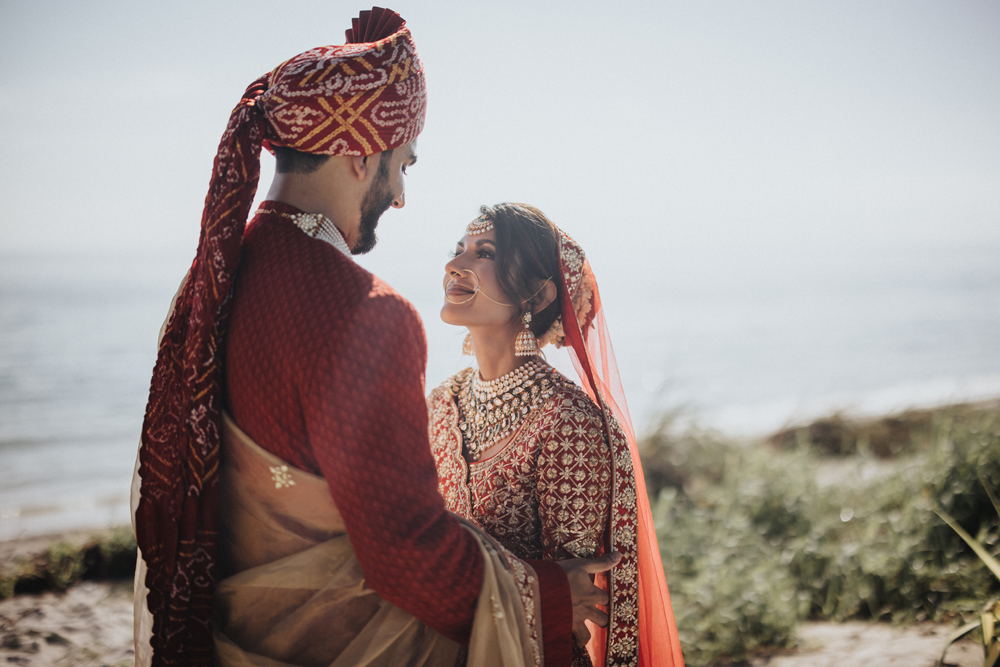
[377, 201]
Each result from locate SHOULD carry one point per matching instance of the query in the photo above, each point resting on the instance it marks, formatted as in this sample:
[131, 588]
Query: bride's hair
[527, 253]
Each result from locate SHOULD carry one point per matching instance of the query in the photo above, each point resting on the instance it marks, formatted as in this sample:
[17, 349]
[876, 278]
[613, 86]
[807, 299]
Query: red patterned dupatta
[642, 630]
[360, 98]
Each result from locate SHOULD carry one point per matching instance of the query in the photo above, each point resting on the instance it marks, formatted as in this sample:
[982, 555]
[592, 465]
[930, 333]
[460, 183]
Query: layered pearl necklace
[491, 411]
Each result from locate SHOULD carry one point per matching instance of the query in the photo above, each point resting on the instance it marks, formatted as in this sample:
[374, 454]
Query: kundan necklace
[491, 411]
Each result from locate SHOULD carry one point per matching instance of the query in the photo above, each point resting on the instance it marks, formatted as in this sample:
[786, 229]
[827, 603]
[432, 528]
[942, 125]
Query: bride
[547, 468]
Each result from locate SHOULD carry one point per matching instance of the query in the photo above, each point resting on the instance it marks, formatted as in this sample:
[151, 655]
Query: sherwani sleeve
[367, 426]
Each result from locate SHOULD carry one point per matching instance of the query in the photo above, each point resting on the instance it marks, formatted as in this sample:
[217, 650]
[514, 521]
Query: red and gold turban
[355, 99]
[360, 98]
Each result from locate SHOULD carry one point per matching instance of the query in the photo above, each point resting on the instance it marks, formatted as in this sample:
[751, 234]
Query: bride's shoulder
[569, 402]
[450, 387]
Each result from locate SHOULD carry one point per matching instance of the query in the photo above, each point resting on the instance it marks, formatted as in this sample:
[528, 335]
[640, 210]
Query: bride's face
[475, 257]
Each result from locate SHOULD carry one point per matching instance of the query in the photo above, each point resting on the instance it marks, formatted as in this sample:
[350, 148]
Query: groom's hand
[586, 596]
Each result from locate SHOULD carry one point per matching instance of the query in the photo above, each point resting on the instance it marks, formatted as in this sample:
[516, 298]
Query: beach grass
[829, 521]
[106, 555]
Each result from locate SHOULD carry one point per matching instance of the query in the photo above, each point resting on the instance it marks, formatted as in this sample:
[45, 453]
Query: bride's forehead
[478, 239]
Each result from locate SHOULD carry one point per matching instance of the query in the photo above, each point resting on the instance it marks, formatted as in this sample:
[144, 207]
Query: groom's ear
[361, 166]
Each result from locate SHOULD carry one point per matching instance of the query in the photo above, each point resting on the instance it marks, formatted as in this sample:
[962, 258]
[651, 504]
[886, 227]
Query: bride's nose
[452, 268]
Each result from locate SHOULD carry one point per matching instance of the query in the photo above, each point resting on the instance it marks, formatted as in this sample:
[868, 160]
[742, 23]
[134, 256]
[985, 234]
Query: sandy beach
[91, 625]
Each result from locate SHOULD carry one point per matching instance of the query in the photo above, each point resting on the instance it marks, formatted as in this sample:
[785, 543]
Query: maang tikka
[480, 225]
[525, 345]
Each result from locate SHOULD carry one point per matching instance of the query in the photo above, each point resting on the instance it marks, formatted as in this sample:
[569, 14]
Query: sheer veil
[585, 333]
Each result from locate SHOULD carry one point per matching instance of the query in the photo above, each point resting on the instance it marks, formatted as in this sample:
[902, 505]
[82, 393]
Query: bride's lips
[455, 289]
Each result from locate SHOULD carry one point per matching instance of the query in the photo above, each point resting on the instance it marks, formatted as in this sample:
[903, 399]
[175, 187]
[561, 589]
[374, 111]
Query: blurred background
[791, 207]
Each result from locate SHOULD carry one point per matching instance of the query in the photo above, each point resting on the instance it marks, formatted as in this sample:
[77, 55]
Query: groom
[318, 361]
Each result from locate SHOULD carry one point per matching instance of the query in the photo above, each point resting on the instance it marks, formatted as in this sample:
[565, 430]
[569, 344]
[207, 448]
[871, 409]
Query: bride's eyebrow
[484, 242]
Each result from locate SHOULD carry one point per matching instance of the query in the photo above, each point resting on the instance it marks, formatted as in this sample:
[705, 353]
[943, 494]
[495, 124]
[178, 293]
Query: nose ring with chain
[477, 290]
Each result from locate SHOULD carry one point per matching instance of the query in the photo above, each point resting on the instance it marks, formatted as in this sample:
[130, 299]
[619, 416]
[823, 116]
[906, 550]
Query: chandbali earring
[525, 345]
[467, 346]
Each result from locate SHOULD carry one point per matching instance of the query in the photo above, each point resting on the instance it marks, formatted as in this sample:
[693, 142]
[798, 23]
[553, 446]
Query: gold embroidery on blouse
[563, 486]
[623, 628]
[545, 494]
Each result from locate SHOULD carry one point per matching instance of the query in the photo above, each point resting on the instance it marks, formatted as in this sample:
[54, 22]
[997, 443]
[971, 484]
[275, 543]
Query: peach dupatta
[296, 595]
[291, 593]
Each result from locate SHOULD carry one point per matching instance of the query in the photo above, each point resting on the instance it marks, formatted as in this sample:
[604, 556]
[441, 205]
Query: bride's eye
[455, 253]
[485, 254]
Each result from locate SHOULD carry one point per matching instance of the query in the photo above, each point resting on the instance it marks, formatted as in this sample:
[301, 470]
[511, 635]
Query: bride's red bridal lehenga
[568, 482]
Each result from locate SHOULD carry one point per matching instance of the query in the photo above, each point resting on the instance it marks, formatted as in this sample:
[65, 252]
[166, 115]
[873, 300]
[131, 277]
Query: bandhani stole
[353, 99]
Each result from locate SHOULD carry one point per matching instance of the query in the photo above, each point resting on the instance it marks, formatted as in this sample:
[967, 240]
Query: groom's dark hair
[290, 161]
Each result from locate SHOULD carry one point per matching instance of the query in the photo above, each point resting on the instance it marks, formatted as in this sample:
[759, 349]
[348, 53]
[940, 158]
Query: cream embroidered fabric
[299, 596]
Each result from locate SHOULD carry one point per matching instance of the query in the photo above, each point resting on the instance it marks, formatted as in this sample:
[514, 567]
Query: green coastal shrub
[753, 542]
[987, 624]
[111, 555]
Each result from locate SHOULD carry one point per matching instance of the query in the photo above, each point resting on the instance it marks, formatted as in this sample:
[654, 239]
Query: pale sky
[684, 144]
[697, 122]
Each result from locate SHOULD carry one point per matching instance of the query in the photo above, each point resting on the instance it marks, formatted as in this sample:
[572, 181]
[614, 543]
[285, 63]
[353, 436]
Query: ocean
[78, 335]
